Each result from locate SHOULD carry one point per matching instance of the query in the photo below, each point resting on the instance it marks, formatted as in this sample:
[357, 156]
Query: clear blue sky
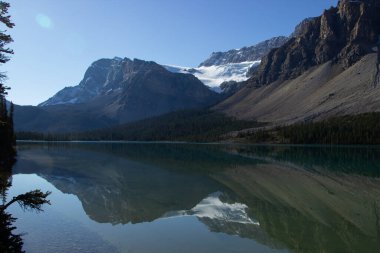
[56, 40]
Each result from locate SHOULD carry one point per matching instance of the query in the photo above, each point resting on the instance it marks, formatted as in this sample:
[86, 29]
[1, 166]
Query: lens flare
[44, 21]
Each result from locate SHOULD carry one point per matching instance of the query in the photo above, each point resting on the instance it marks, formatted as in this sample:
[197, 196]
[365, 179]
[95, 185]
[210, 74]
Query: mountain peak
[103, 76]
[116, 91]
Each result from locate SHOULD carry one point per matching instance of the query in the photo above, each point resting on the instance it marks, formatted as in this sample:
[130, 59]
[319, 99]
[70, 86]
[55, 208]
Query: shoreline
[203, 143]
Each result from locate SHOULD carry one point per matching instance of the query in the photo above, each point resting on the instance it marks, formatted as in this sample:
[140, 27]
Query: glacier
[213, 76]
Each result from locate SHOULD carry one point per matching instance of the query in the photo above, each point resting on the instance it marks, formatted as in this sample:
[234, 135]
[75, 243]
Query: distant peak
[244, 54]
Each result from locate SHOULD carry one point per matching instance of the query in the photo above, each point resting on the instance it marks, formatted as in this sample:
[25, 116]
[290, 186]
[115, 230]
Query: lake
[172, 197]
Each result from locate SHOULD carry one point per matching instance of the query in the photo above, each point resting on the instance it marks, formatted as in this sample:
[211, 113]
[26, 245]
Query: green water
[137, 197]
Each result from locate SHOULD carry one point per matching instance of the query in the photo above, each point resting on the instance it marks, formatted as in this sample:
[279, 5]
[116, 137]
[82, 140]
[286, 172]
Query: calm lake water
[199, 198]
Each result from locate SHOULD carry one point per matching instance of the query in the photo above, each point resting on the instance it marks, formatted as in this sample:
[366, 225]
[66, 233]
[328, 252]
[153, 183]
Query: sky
[55, 41]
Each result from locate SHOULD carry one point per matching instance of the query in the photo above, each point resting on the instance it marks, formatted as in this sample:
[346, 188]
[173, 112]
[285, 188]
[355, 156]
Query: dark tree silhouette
[7, 140]
[9, 242]
[5, 39]
[33, 200]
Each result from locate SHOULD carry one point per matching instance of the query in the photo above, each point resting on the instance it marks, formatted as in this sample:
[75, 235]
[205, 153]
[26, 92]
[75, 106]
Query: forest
[361, 129]
[197, 125]
[208, 126]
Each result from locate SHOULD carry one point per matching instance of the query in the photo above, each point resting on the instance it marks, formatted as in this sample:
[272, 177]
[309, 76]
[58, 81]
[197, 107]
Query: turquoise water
[141, 197]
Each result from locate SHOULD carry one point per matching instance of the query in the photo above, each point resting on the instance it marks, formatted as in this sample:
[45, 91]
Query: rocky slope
[245, 54]
[343, 34]
[331, 68]
[116, 91]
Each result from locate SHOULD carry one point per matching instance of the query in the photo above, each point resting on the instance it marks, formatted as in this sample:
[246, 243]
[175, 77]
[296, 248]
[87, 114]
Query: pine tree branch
[33, 200]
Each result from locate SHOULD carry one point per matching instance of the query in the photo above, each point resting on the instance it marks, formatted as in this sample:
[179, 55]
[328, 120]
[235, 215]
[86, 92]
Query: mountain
[106, 76]
[116, 91]
[245, 54]
[330, 69]
[110, 77]
[343, 34]
[231, 66]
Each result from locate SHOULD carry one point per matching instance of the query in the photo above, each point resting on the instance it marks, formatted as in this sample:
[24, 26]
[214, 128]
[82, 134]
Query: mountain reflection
[305, 199]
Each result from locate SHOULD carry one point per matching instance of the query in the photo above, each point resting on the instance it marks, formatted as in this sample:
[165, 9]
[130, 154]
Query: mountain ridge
[103, 75]
[245, 54]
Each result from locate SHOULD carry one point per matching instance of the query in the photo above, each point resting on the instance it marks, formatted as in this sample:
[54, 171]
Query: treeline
[208, 126]
[355, 129]
[362, 129]
[188, 125]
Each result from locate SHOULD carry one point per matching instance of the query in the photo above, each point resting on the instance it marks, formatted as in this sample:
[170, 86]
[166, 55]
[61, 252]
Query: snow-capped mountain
[213, 76]
[233, 65]
[113, 92]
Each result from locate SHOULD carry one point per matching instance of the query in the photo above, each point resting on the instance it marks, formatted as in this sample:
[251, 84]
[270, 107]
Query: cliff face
[342, 34]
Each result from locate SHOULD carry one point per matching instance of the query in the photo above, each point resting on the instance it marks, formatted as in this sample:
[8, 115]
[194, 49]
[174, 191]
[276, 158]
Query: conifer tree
[7, 140]
[5, 39]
